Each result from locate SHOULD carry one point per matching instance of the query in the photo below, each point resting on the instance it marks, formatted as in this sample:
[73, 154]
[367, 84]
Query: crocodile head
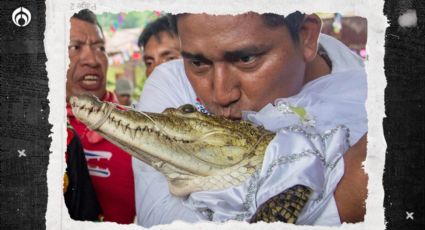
[194, 151]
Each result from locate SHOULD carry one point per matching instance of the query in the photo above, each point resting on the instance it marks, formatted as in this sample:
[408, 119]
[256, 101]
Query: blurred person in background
[159, 42]
[124, 90]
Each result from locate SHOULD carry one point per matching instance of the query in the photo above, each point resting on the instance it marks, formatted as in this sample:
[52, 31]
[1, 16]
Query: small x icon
[22, 153]
[409, 215]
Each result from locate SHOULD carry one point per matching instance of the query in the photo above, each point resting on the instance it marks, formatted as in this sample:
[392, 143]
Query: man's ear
[309, 36]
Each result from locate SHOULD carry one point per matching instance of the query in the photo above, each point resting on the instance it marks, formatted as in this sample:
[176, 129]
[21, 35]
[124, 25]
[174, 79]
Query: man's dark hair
[162, 24]
[293, 21]
[87, 16]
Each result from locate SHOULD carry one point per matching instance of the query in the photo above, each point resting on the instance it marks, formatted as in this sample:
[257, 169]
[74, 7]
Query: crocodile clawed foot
[285, 206]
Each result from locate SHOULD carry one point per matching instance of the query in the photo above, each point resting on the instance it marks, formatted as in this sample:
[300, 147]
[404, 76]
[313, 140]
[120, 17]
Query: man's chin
[99, 94]
[93, 87]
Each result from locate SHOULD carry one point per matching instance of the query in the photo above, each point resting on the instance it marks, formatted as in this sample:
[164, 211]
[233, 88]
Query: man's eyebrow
[165, 53]
[100, 41]
[250, 50]
[192, 56]
[231, 55]
[79, 41]
[147, 57]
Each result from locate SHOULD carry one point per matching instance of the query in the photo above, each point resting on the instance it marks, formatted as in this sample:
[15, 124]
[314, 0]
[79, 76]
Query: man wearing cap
[124, 91]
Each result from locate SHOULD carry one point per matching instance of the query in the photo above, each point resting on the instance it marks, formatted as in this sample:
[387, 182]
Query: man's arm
[351, 191]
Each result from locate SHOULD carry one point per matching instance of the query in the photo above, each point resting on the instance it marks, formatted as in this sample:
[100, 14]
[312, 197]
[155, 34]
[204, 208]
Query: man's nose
[225, 86]
[88, 56]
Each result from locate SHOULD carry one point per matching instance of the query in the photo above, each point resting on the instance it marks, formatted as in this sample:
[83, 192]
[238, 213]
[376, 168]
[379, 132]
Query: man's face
[156, 52]
[237, 63]
[88, 60]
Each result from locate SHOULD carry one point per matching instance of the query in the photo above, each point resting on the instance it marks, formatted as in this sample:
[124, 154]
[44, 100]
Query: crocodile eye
[188, 108]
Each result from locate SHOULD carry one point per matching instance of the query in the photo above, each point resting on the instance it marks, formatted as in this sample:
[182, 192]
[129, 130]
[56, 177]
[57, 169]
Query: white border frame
[56, 38]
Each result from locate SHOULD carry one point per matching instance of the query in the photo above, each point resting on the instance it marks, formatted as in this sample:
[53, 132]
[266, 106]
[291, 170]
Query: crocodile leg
[285, 207]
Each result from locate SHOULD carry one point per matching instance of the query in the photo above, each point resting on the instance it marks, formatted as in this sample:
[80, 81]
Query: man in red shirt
[109, 167]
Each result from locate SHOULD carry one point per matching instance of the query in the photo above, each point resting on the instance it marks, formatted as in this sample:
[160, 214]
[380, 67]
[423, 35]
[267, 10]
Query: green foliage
[133, 19]
[139, 78]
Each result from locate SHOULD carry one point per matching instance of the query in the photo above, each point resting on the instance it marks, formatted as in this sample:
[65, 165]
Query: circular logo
[21, 16]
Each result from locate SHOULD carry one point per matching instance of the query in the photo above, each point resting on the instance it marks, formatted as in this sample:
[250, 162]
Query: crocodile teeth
[132, 133]
[124, 128]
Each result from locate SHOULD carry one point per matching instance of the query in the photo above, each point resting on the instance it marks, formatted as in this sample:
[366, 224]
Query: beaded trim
[283, 107]
[255, 182]
[200, 107]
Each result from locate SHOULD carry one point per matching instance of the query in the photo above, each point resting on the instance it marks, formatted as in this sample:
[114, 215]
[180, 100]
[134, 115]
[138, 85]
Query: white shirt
[330, 101]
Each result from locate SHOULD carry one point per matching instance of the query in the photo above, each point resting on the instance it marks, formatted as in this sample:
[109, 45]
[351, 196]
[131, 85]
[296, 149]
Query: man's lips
[90, 81]
[231, 112]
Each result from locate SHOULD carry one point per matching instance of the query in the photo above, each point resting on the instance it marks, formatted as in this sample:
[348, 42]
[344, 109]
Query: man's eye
[148, 63]
[73, 47]
[199, 64]
[247, 59]
[100, 48]
[248, 62]
[73, 50]
[171, 58]
[196, 63]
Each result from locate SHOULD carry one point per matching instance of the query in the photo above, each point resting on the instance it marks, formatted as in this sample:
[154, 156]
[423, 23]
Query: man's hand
[351, 192]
